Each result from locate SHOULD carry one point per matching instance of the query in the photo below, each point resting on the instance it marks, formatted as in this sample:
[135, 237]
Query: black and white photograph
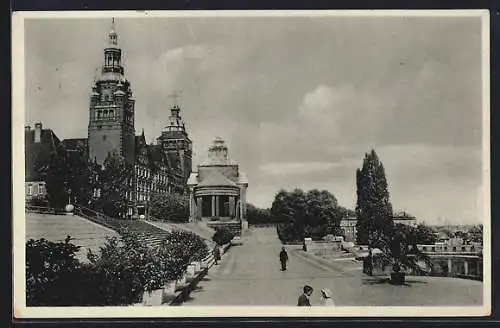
[251, 163]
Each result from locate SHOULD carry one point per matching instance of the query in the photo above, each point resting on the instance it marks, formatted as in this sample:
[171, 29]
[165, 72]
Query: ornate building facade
[218, 189]
[157, 168]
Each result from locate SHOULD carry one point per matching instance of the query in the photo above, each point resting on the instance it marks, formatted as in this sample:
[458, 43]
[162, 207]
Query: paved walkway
[250, 275]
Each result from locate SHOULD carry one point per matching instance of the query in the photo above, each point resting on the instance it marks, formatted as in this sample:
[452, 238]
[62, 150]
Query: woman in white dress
[326, 297]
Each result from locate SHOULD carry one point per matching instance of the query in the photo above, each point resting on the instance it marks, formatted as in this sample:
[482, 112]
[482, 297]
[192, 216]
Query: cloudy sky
[299, 100]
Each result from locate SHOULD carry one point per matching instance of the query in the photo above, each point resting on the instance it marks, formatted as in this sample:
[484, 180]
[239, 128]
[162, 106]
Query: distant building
[39, 144]
[218, 189]
[348, 225]
[404, 218]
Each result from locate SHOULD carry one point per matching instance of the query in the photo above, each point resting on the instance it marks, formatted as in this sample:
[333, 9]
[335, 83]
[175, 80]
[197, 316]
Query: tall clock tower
[111, 115]
[177, 145]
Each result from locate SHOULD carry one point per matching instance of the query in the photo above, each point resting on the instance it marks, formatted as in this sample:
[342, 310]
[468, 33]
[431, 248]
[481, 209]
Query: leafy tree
[169, 207]
[312, 214]
[476, 233]
[68, 174]
[115, 180]
[425, 235]
[373, 209]
[257, 215]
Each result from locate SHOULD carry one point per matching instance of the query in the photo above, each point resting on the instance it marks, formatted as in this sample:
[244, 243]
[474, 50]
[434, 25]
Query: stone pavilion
[218, 189]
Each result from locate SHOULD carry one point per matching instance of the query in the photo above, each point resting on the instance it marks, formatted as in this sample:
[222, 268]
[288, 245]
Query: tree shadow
[387, 281]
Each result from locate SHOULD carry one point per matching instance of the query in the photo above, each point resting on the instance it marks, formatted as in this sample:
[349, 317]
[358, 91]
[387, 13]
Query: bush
[222, 236]
[169, 207]
[188, 246]
[117, 275]
[51, 269]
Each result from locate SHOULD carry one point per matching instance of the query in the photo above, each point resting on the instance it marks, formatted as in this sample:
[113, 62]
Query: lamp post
[69, 207]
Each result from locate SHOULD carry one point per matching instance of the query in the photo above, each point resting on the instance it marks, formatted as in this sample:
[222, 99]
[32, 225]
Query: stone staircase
[150, 234]
[233, 226]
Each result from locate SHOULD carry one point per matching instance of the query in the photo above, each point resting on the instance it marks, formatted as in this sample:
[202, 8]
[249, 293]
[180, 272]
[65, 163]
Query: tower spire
[113, 37]
[174, 95]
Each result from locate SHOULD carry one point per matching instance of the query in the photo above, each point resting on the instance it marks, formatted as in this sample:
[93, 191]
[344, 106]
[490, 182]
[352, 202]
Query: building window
[30, 190]
[41, 189]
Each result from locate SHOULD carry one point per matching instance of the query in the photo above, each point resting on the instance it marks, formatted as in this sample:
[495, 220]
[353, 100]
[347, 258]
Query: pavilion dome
[242, 178]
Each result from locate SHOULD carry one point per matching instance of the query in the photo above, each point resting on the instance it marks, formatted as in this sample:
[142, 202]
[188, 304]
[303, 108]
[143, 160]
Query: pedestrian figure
[283, 258]
[326, 297]
[370, 261]
[216, 254]
[304, 297]
[304, 246]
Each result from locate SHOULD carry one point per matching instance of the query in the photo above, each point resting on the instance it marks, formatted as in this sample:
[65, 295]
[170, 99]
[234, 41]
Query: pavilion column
[242, 202]
[466, 267]
[217, 206]
[449, 267]
[213, 205]
[198, 207]
[231, 206]
[192, 206]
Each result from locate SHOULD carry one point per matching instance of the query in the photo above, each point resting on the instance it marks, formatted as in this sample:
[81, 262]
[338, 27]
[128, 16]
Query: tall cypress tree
[373, 208]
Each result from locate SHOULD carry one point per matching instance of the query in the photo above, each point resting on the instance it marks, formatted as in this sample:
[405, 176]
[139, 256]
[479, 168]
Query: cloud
[325, 98]
[296, 168]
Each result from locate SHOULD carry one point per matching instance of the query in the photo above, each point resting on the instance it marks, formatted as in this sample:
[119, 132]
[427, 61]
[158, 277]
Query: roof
[74, 144]
[37, 155]
[216, 179]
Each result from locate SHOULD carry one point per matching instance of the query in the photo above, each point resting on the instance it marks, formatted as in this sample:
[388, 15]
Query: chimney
[38, 132]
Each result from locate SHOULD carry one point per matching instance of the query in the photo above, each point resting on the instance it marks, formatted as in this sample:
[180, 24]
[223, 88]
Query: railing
[41, 209]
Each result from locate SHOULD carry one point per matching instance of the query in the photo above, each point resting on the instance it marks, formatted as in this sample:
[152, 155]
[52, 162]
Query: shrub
[188, 246]
[116, 275]
[222, 236]
[51, 269]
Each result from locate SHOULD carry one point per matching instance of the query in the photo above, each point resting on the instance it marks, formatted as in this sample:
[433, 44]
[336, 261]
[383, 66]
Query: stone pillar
[450, 267]
[213, 205]
[242, 200]
[199, 201]
[192, 206]
[466, 267]
[231, 206]
[217, 206]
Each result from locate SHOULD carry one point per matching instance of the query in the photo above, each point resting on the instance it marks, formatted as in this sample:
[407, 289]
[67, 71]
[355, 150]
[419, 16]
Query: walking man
[304, 297]
[283, 258]
[216, 254]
